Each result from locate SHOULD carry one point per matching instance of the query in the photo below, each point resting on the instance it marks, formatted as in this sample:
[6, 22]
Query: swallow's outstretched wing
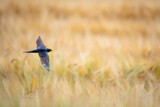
[44, 59]
[40, 44]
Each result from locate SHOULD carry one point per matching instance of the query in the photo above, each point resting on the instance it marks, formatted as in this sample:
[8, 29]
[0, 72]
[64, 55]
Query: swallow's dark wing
[44, 59]
[40, 44]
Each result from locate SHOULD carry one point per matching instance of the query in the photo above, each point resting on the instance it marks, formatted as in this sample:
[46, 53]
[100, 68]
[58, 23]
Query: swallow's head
[48, 50]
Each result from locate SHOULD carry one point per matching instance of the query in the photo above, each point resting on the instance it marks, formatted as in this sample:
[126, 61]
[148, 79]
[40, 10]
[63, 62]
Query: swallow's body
[38, 50]
[43, 53]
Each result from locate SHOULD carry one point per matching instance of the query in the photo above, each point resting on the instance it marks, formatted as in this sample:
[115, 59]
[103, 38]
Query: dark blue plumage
[42, 52]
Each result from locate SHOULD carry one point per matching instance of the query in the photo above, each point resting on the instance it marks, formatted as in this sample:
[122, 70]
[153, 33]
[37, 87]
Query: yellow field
[105, 53]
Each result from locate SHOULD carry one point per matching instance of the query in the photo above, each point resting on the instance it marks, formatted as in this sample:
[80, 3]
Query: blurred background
[105, 53]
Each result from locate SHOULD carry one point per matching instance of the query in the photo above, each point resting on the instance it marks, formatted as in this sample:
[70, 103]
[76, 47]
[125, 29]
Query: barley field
[106, 53]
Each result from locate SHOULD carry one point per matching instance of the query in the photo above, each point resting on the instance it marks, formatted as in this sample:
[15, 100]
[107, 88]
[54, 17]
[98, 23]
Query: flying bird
[42, 51]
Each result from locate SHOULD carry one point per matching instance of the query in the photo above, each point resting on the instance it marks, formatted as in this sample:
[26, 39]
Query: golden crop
[105, 53]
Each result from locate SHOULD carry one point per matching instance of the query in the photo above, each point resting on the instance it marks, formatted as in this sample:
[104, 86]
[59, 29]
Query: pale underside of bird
[42, 51]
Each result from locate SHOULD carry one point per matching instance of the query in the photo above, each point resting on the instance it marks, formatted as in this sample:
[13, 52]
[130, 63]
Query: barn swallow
[42, 52]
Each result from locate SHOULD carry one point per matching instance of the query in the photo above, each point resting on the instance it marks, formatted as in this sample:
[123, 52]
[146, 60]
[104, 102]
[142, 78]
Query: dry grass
[106, 53]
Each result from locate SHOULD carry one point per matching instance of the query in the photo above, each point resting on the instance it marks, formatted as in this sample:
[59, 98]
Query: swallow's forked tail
[33, 51]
